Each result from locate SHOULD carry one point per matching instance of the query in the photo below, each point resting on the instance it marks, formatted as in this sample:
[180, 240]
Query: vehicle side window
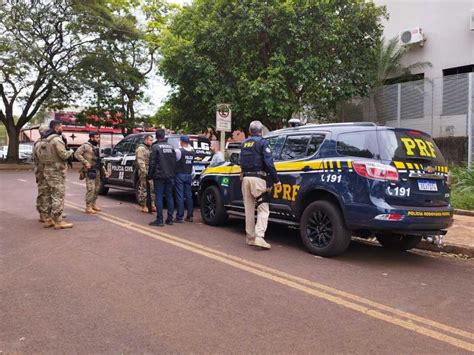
[122, 147]
[358, 144]
[133, 145]
[275, 144]
[315, 143]
[295, 147]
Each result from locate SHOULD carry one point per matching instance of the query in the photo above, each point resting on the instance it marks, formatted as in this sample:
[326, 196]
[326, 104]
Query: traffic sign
[223, 118]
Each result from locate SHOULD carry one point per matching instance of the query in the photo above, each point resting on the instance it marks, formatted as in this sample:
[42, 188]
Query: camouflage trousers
[55, 192]
[92, 190]
[41, 199]
[142, 191]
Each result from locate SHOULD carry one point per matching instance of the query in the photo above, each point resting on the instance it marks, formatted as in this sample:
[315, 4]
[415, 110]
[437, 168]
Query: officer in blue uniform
[183, 180]
[258, 176]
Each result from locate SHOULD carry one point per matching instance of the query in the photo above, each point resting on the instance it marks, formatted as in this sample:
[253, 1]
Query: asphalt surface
[113, 284]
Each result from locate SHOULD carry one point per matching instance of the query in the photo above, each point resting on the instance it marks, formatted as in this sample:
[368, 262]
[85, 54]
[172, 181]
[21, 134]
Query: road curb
[16, 166]
[447, 248]
[464, 212]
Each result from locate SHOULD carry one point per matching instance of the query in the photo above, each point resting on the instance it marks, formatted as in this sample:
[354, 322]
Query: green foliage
[117, 67]
[462, 195]
[268, 59]
[389, 65]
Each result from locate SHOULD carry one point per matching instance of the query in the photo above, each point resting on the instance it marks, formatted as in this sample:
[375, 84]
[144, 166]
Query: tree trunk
[13, 141]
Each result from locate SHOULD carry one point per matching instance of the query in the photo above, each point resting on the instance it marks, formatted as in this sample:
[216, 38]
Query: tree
[116, 69]
[268, 59]
[40, 45]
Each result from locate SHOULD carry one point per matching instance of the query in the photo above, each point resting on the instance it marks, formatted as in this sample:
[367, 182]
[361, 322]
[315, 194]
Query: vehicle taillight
[449, 179]
[377, 171]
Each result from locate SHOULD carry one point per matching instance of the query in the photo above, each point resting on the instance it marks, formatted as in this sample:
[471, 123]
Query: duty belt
[259, 174]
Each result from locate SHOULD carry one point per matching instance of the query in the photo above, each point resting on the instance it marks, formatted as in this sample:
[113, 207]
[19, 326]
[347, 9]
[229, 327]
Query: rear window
[301, 146]
[409, 145]
[358, 144]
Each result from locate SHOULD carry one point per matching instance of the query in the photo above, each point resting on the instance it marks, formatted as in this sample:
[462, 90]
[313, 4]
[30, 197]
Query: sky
[157, 90]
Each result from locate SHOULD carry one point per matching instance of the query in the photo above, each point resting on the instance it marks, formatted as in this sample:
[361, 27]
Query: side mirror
[107, 151]
[234, 158]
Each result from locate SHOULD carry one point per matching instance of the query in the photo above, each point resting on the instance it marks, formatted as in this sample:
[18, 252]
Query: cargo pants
[252, 188]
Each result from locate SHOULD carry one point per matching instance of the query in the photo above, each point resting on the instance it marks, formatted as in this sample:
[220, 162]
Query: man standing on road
[142, 160]
[258, 176]
[218, 157]
[41, 183]
[162, 172]
[183, 179]
[54, 155]
[89, 156]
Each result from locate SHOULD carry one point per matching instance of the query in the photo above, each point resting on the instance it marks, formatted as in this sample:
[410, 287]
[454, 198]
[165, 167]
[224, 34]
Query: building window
[456, 90]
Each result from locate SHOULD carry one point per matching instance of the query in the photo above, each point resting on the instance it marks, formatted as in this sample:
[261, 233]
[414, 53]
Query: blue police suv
[343, 180]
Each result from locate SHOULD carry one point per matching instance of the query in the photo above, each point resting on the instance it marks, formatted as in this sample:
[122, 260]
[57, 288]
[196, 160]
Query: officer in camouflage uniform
[39, 174]
[88, 155]
[52, 153]
[142, 161]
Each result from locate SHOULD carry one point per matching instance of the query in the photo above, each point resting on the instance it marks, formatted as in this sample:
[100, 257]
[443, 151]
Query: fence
[442, 107]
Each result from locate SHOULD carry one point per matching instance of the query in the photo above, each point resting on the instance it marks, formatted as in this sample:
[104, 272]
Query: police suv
[343, 180]
[120, 161]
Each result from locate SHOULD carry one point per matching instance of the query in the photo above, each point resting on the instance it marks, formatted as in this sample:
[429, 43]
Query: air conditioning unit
[412, 36]
[472, 20]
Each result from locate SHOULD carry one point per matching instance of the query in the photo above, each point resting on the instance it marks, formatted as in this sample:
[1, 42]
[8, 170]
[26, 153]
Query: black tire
[212, 207]
[103, 190]
[322, 229]
[397, 241]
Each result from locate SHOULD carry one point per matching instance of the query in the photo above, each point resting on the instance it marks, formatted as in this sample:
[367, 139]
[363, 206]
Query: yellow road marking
[302, 285]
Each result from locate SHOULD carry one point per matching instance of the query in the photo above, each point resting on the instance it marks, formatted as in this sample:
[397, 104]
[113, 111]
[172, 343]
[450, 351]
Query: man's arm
[140, 159]
[60, 148]
[152, 166]
[178, 154]
[79, 155]
[268, 162]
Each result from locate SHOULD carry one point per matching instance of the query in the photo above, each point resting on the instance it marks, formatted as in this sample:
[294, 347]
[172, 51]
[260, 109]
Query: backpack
[44, 152]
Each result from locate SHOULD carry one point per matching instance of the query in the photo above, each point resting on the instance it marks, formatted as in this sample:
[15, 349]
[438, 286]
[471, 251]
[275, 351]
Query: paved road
[114, 284]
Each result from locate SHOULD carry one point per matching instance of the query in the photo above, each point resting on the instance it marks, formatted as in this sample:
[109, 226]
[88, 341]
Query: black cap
[93, 134]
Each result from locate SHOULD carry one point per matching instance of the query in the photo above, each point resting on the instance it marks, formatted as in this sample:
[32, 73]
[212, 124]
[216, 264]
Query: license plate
[427, 185]
[198, 167]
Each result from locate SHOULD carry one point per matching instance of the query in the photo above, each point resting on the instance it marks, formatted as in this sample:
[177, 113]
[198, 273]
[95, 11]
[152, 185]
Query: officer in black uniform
[258, 176]
[183, 179]
[162, 171]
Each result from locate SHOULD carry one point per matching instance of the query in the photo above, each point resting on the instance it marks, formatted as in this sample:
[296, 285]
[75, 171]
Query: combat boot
[260, 242]
[144, 209]
[48, 223]
[90, 210]
[43, 218]
[95, 208]
[62, 225]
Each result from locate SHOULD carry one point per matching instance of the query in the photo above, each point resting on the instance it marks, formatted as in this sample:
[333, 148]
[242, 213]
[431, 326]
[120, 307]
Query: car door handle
[306, 168]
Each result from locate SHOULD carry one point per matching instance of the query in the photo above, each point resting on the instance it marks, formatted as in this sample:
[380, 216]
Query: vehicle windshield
[409, 145]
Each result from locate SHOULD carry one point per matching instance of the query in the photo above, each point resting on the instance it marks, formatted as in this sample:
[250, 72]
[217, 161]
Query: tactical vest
[185, 164]
[44, 153]
[166, 164]
[251, 159]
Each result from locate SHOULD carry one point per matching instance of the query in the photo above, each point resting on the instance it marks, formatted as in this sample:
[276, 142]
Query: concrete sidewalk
[458, 240]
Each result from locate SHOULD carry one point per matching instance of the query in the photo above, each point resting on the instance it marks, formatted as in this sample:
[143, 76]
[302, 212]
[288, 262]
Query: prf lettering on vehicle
[418, 147]
[285, 192]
